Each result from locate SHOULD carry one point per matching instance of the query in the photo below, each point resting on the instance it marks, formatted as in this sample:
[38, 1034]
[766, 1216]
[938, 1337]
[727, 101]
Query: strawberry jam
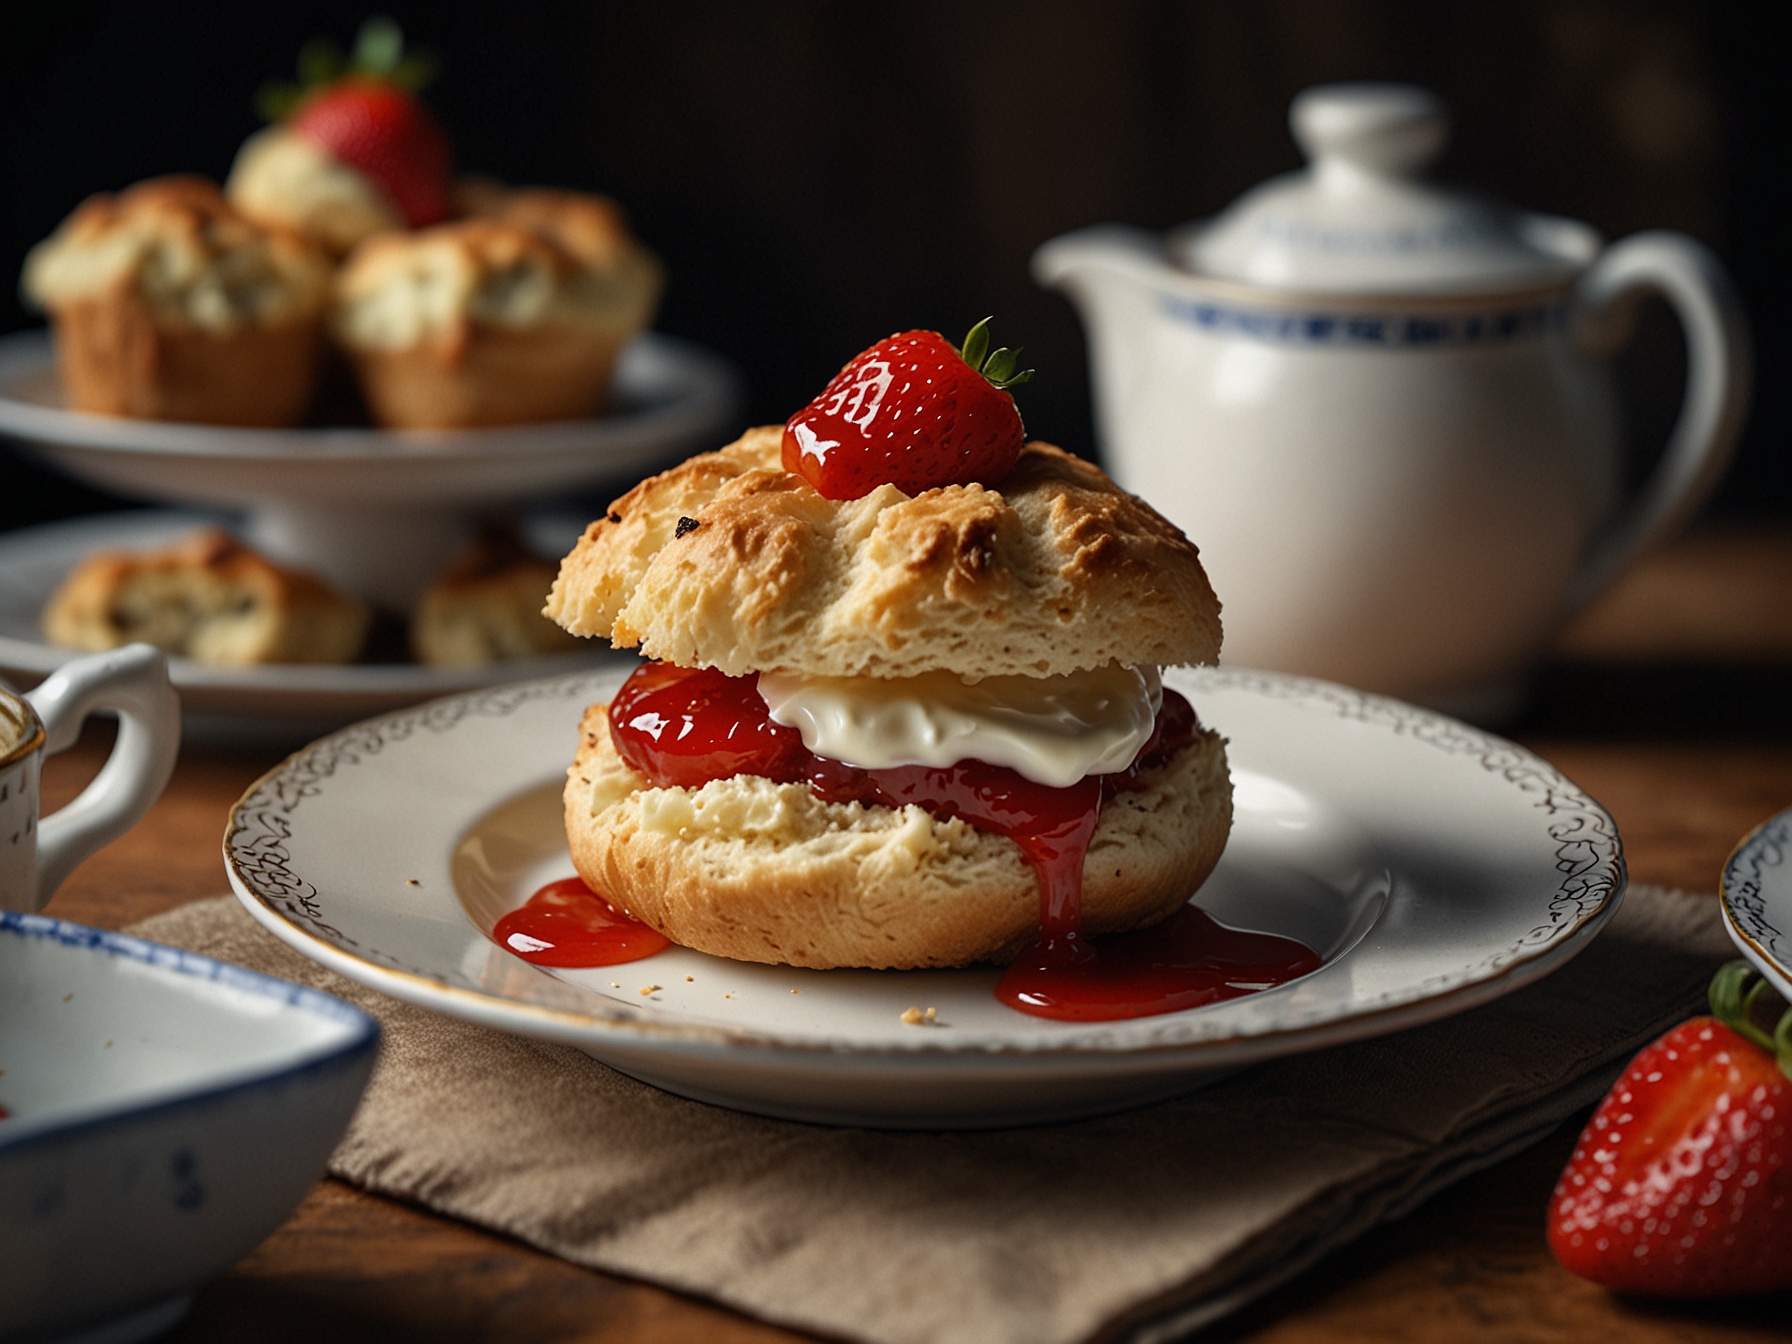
[568, 924]
[1187, 961]
[680, 727]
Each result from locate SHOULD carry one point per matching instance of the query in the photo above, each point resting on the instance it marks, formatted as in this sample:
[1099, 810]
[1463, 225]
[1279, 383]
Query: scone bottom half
[754, 870]
[730, 562]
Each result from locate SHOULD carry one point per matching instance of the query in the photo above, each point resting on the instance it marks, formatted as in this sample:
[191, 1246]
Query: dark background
[816, 176]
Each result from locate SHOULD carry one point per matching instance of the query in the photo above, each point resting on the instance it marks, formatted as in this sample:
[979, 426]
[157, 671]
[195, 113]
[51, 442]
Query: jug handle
[1719, 370]
[133, 683]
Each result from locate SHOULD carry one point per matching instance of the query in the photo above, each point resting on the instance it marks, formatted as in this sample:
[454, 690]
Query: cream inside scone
[192, 259]
[1051, 730]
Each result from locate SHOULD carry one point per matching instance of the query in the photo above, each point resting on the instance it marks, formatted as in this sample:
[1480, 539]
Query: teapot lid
[1361, 219]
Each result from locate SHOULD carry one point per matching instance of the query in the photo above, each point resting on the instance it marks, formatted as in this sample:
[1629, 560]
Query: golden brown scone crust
[1054, 570]
[487, 322]
[169, 305]
[757, 871]
[502, 377]
[590, 228]
[486, 608]
[190, 256]
[206, 597]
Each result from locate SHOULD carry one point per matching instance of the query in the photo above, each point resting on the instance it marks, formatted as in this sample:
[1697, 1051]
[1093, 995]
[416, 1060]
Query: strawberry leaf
[976, 345]
[998, 366]
[379, 47]
[277, 99]
[416, 70]
[378, 54]
[1742, 999]
[320, 61]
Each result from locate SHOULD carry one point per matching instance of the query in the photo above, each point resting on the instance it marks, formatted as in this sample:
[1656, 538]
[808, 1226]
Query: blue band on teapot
[1381, 329]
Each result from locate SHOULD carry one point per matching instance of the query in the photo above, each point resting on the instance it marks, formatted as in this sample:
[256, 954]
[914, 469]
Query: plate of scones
[927, 806]
[257, 645]
[363, 360]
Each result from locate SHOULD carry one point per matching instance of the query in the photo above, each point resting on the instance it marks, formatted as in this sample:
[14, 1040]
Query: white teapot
[1383, 410]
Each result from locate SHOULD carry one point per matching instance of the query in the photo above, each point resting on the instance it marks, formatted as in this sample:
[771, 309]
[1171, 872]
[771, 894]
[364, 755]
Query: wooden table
[1671, 703]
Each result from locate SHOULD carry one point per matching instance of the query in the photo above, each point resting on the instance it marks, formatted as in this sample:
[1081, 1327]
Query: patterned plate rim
[1744, 903]
[1589, 856]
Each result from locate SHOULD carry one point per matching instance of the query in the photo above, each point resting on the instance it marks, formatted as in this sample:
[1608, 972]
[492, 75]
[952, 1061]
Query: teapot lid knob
[1361, 219]
[1384, 130]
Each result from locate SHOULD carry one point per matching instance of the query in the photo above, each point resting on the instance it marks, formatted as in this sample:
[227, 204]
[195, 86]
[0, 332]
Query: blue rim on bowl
[364, 1031]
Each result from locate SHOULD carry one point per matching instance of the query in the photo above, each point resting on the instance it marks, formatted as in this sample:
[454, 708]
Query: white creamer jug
[1384, 411]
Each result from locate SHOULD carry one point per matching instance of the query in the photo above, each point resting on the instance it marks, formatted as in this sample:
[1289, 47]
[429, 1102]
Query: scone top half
[728, 561]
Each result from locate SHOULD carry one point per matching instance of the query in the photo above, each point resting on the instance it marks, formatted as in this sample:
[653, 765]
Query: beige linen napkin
[1144, 1225]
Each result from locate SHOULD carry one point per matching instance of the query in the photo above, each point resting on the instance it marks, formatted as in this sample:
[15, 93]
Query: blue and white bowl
[164, 1112]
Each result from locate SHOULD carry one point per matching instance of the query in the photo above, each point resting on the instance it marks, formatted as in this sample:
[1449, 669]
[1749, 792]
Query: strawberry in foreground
[1681, 1185]
[367, 115]
[915, 412]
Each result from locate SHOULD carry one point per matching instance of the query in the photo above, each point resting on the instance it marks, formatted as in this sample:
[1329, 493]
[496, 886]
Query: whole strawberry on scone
[914, 411]
[352, 151]
[1681, 1185]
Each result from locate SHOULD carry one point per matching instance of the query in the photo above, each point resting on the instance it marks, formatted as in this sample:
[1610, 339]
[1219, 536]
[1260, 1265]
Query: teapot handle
[1719, 369]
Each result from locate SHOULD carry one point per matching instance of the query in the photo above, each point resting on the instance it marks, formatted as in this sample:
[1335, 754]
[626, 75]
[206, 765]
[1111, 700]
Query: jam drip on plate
[1185, 962]
[567, 924]
[682, 728]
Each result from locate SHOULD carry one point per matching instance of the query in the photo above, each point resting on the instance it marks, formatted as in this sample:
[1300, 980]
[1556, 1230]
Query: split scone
[170, 305]
[1010, 632]
[206, 597]
[492, 321]
[486, 608]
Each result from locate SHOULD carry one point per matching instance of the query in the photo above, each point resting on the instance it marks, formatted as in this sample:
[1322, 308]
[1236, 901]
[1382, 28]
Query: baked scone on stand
[169, 304]
[494, 321]
[906, 708]
[486, 606]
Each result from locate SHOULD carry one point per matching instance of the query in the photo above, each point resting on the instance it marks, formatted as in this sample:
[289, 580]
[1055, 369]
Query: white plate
[1757, 899]
[1434, 866]
[34, 560]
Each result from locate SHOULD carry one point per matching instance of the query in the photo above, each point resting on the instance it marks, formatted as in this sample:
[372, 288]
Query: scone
[206, 597]
[945, 731]
[490, 321]
[170, 305]
[487, 607]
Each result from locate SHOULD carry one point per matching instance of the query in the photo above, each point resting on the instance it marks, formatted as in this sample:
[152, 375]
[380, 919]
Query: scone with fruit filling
[907, 709]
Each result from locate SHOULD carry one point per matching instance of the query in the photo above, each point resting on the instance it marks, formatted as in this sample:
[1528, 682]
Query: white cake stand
[376, 512]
